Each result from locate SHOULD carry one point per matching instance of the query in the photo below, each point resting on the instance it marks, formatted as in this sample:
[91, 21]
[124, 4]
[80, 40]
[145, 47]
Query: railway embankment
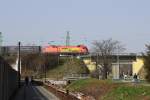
[61, 93]
[67, 66]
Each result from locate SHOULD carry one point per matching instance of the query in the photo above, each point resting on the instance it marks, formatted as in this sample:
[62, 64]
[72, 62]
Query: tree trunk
[104, 74]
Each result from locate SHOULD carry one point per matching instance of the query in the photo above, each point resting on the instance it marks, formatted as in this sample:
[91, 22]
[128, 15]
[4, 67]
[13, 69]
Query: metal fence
[8, 80]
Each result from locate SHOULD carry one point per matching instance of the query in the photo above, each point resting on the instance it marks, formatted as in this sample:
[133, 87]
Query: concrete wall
[115, 71]
[90, 65]
[8, 80]
[137, 65]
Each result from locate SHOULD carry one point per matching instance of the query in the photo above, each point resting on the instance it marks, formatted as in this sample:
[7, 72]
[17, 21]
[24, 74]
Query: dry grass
[108, 90]
[92, 87]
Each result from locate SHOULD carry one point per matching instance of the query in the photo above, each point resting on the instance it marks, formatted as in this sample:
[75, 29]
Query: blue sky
[42, 21]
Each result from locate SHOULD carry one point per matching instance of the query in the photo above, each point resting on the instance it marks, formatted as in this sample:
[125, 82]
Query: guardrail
[76, 77]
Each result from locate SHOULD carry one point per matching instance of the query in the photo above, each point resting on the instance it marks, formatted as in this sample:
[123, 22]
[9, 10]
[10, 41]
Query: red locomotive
[80, 49]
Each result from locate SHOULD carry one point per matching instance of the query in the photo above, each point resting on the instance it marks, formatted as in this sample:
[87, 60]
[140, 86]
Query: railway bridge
[126, 63]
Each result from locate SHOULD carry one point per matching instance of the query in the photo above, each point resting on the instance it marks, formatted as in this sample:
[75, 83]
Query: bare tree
[39, 63]
[146, 57]
[104, 50]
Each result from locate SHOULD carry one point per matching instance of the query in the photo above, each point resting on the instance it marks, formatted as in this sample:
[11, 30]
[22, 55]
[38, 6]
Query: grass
[128, 92]
[92, 87]
[83, 83]
[108, 90]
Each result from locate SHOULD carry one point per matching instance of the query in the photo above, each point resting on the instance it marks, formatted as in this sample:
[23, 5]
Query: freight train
[52, 49]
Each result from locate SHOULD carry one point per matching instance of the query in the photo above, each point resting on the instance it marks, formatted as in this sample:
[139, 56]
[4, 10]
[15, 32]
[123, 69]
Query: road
[34, 93]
